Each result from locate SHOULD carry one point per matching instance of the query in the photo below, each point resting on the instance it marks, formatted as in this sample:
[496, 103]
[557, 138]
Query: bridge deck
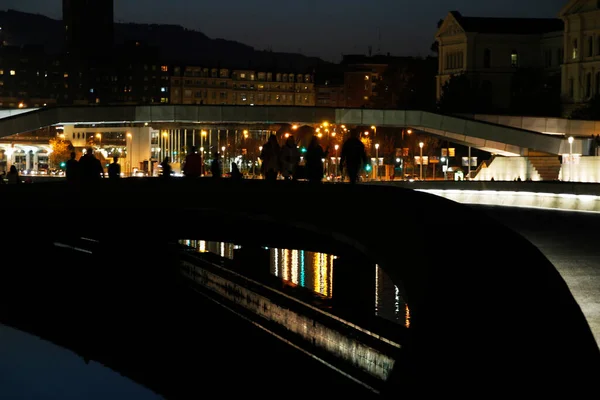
[491, 137]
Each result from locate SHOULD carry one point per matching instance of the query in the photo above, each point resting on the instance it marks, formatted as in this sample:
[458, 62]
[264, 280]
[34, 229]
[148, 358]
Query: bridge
[494, 138]
[493, 315]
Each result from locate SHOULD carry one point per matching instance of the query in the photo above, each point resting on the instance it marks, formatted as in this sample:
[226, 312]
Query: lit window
[514, 59]
[1, 72]
[164, 68]
[242, 76]
[13, 72]
[163, 89]
[66, 75]
[164, 100]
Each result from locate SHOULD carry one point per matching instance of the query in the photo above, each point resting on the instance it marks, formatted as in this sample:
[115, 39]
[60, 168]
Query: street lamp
[421, 144]
[294, 127]
[129, 152]
[245, 134]
[571, 140]
[377, 160]
[337, 159]
[202, 136]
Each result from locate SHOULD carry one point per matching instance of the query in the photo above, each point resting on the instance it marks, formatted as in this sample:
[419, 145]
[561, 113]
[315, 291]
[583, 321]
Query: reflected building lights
[302, 270]
[295, 274]
[286, 267]
[314, 271]
[330, 278]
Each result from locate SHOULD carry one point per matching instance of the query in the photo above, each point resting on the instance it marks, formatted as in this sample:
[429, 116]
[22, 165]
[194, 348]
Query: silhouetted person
[13, 176]
[193, 164]
[215, 166]
[236, 175]
[72, 169]
[166, 168]
[314, 160]
[353, 156]
[114, 169]
[270, 158]
[290, 158]
[90, 168]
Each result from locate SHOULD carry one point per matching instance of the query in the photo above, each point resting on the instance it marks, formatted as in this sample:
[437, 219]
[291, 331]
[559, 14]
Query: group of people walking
[286, 159]
[89, 168]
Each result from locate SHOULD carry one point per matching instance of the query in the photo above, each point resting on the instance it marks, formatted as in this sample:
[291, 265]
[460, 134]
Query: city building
[581, 68]
[222, 86]
[31, 78]
[135, 76]
[361, 74]
[491, 50]
[329, 86]
[89, 26]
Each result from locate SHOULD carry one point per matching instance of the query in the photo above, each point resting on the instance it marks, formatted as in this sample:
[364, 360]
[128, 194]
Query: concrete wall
[348, 348]
[587, 170]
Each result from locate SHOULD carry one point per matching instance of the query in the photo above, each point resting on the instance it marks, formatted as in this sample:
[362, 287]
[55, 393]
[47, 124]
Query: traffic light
[303, 149]
[63, 164]
[368, 168]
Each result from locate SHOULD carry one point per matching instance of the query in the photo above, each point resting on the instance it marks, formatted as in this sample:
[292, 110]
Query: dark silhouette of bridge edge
[488, 311]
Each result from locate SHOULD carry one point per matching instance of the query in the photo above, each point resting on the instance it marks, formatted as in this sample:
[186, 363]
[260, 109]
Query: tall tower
[89, 26]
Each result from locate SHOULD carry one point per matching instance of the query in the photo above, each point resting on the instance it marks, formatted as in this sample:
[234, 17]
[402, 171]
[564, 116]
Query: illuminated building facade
[221, 86]
[491, 50]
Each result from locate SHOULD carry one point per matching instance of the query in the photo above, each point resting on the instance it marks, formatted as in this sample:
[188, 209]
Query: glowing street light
[571, 140]
[377, 160]
[294, 127]
[421, 161]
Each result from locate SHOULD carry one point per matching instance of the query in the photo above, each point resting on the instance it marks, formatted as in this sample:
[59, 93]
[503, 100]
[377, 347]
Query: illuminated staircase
[547, 167]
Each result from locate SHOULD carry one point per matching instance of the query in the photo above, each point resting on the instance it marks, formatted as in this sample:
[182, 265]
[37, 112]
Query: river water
[314, 272]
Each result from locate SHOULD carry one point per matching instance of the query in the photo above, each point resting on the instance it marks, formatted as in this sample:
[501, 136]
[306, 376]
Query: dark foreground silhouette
[487, 314]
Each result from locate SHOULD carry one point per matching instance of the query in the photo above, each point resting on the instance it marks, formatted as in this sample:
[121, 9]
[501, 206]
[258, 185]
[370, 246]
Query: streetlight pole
[377, 161]
[337, 160]
[421, 144]
[571, 140]
[130, 153]
[224, 158]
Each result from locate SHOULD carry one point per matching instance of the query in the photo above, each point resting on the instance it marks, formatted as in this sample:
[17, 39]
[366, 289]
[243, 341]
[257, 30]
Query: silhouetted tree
[409, 86]
[533, 93]
[61, 152]
[590, 111]
[461, 95]
[435, 46]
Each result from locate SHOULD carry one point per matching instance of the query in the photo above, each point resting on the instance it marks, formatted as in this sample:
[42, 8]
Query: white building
[581, 69]
[490, 50]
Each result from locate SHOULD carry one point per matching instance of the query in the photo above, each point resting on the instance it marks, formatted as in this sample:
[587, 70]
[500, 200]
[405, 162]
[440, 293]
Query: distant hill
[177, 45]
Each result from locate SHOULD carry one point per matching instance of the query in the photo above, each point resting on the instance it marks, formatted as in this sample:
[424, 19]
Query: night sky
[324, 28]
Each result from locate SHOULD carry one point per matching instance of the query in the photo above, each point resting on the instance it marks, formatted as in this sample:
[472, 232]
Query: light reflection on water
[314, 271]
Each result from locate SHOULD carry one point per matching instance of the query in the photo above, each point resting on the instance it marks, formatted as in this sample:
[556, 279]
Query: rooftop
[518, 26]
